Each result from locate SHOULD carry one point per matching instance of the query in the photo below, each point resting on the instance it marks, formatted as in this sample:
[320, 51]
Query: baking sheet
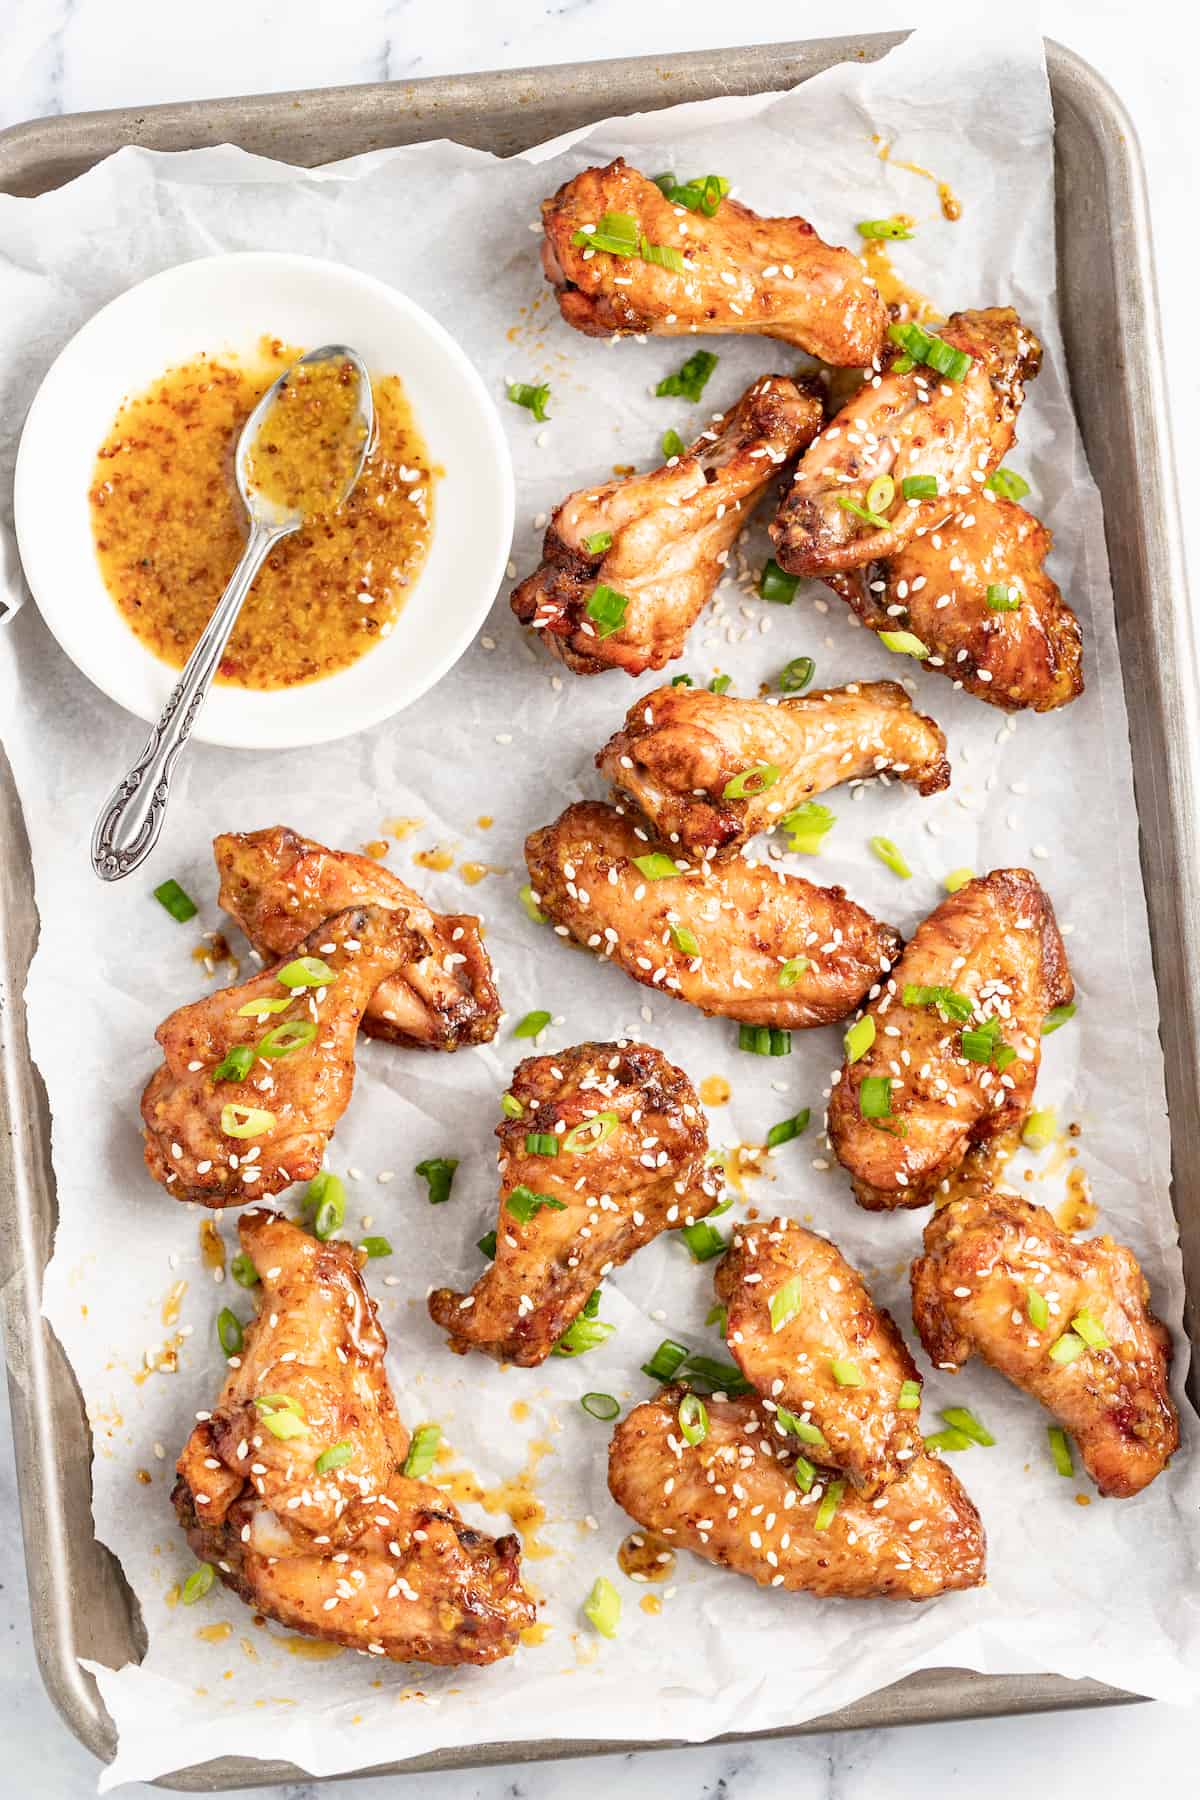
[1122, 1605]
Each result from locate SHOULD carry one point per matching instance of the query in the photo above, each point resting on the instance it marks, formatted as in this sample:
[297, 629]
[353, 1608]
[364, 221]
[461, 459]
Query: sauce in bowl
[169, 525]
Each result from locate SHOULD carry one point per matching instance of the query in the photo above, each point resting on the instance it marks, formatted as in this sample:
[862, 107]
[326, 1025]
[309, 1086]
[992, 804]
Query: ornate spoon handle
[132, 816]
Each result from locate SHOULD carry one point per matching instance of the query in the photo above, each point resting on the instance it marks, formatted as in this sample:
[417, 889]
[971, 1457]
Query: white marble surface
[62, 55]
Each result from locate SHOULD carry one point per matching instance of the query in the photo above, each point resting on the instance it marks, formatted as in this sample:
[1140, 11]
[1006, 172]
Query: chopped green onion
[950, 1439]
[903, 365]
[714, 190]
[861, 512]
[525, 896]
[236, 1063]
[847, 1373]
[1008, 484]
[910, 1397]
[511, 1107]
[880, 494]
[962, 1419]
[1060, 1450]
[375, 1246]
[486, 1245]
[905, 643]
[523, 393]
[1001, 597]
[804, 1473]
[601, 1406]
[584, 1334]
[957, 878]
[541, 1143]
[254, 1009]
[1090, 1330]
[607, 608]
[1038, 1308]
[718, 1377]
[910, 337]
[422, 1451]
[197, 1584]
[829, 1505]
[1041, 1128]
[306, 971]
[786, 1302]
[656, 866]
[795, 676]
[883, 228]
[336, 1457]
[979, 1044]
[919, 487]
[888, 854]
[245, 1121]
[273, 1403]
[792, 970]
[875, 1097]
[1058, 1015]
[682, 681]
[598, 543]
[673, 444]
[590, 1134]
[602, 1608]
[776, 584]
[1066, 1348]
[591, 1305]
[286, 1038]
[531, 1024]
[666, 1362]
[703, 1240]
[693, 1419]
[285, 1424]
[664, 256]
[524, 1204]
[751, 782]
[243, 1270]
[327, 1195]
[807, 825]
[181, 906]
[859, 1037]
[948, 361]
[229, 1332]
[691, 380]
[720, 684]
[764, 1040]
[787, 1129]
[717, 1315]
[617, 233]
[685, 941]
[438, 1171]
[949, 1003]
[801, 1428]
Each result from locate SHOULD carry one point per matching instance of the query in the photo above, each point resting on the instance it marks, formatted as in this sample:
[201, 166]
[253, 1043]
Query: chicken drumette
[916, 424]
[734, 1499]
[736, 938]
[1066, 1321]
[256, 1077]
[802, 1328]
[973, 589]
[742, 273]
[658, 542]
[710, 770]
[630, 1163]
[278, 886]
[957, 1041]
[294, 1490]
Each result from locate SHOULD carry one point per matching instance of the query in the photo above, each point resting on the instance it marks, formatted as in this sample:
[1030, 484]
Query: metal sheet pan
[81, 1603]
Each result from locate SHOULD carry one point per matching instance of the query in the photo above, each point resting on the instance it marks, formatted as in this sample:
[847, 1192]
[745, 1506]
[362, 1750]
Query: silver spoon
[132, 816]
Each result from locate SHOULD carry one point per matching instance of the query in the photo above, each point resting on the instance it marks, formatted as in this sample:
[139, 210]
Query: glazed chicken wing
[710, 770]
[660, 541]
[914, 424]
[999, 1278]
[973, 589]
[771, 277]
[256, 1077]
[278, 886]
[734, 1500]
[294, 1487]
[802, 1328]
[957, 1041]
[736, 938]
[632, 1141]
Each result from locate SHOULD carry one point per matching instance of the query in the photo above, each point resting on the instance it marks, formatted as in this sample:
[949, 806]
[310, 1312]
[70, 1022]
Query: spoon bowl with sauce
[300, 452]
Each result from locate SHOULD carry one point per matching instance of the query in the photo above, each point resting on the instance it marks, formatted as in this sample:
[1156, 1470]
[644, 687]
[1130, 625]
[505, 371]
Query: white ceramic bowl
[223, 304]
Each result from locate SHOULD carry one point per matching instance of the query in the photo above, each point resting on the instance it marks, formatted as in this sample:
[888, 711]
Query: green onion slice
[664, 256]
[792, 970]
[717, 1377]
[422, 1451]
[883, 228]
[273, 1403]
[253, 1009]
[584, 1334]
[806, 825]
[904, 643]
[531, 1024]
[880, 494]
[875, 1097]
[948, 361]
[197, 1584]
[685, 941]
[847, 1373]
[285, 1425]
[830, 1502]
[524, 393]
[373, 1247]
[673, 444]
[1058, 1015]
[1008, 484]
[764, 1040]
[949, 1002]
[682, 681]
[862, 512]
[720, 684]
[525, 896]
[786, 1302]
[1041, 1128]
[859, 1038]
[919, 487]
[1060, 1450]
[717, 1315]
[1066, 1348]
[1003, 597]
[804, 1473]
[601, 1406]
[336, 1457]
[306, 972]
[703, 1240]
[524, 1204]
[617, 233]
[949, 1439]
[486, 1245]
[910, 1397]
[598, 543]
[590, 1134]
[752, 782]
[602, 1608]
[236, 1063]
[787, 1129]
[607, 608]
[286, 1038]
[180, 905]
[691, 380]
[541, 1143]
[776, 584]
[326, 1194]
[795, 676]
[1090, 1330]
[438, 1171]
[245, 1121]
[908, 334]
[511, 1107]
[807, 1432]
[962, 1419]
[957, 878]
[888, 854]
[1038, 1308]
[229, 1332]
[656, 866]
[243, 1270]
[693, 1419]
[666, 1362]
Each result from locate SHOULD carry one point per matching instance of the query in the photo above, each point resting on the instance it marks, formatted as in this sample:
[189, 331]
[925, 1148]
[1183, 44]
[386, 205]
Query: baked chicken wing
[1067, 1321]
[803, 1329]
[742, 273]
[973, 589]
[711, 770]
[278, 886]
[736, 938]
[627, 566]
[294, 1490]
[630, 1163]
[917, 424]
[957, 1041]
[733, 1499]
[256, 1077]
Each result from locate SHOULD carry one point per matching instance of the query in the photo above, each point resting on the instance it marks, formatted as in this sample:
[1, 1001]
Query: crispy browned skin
[913, 424]
[680, 748]
[647, 1176]
[671, 531]
[996, 943]
[771, 277]
[983, 1256]
[868, 1435]
[304, 1093]
[937, 586]
[732, 1499]
[748, 919]
[360, 1554]
[278, 886]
